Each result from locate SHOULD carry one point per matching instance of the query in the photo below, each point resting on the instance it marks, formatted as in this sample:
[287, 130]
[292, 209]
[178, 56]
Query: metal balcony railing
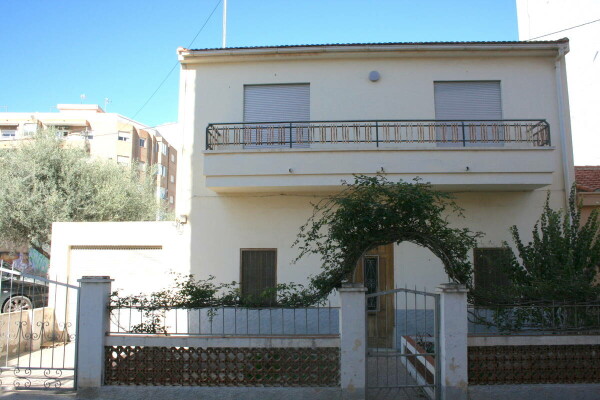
[304, 134]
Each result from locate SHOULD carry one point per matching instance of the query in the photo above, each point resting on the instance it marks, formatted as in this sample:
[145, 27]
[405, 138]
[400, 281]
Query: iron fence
[304, 134]
[37, 331]
[226, 321]
[403, 344]
[535, 319]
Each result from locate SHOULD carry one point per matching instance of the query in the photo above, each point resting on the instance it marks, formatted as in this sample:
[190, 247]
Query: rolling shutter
[468, 100]
[272, 103]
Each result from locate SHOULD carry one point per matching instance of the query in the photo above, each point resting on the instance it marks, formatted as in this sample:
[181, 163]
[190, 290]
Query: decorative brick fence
[222, 366]
[510, 360]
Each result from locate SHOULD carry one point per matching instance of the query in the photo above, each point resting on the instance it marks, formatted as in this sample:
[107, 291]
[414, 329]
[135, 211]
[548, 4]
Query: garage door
[135, 269]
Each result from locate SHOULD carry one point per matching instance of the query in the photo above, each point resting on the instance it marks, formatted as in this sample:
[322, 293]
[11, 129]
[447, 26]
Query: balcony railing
[381, 133]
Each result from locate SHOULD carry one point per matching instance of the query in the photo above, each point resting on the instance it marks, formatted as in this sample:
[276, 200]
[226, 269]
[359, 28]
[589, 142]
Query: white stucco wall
[139, 256]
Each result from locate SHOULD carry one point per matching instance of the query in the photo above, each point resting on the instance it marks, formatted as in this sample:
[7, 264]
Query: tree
[560, 263]
[373, 211]
[43, 180]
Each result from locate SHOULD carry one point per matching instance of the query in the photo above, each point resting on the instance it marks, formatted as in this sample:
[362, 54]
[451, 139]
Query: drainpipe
[566, 157]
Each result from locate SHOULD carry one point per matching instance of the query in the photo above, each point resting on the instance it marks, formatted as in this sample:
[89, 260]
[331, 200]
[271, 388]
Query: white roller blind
[468, 100]
[271, 103]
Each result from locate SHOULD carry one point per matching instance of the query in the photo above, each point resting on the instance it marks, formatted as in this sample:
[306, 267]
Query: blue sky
[54, 51]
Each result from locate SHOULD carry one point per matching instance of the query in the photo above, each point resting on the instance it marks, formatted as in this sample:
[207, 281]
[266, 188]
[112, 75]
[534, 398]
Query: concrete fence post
[453, 341]
[93, 323]
[353, 339]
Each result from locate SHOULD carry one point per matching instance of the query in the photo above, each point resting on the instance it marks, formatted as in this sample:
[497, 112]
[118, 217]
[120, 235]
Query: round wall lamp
[374, 76]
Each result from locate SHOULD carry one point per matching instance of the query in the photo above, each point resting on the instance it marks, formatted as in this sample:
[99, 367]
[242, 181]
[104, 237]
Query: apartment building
[108, 136]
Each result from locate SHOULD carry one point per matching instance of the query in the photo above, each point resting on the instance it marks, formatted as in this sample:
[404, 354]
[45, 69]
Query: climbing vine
[373, 211]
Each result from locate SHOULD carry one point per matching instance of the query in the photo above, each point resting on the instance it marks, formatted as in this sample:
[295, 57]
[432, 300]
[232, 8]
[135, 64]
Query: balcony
[314, 155]
[532, 133]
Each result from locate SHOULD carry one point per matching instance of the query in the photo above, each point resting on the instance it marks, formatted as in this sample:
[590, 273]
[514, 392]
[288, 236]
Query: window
[464, 101]
[122, 160]
[29, 129]
[124, 136]
[277, 103]
[172, 179]
[371, 279]
[142, 142]
[171, 199]
[141, 166]
[172, 158]
[258, 273]
[163, 148]
[490, 274]
[9, 131]
[162, 170]
[161, 192]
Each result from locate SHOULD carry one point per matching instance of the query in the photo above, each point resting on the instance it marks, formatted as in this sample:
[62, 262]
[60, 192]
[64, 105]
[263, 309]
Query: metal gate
[38, 323]
[402, 344]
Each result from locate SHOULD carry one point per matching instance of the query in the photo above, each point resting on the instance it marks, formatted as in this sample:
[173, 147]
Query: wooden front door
[376, 271]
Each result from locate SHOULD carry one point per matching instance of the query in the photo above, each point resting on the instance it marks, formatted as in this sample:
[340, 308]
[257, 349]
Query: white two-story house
[269, 130]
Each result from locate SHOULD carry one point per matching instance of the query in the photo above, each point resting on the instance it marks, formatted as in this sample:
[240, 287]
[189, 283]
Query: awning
[8, 122]
[65, 122]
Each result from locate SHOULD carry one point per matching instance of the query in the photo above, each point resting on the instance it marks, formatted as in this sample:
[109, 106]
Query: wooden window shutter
[258, 272]
[489, 264]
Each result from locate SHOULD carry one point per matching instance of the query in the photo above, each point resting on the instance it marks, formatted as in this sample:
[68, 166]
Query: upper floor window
[9, 131]
[30, 128]
[162, 170]
[124, 136]
[277, 103]
[468, 101]
[172, 179]
[163, 148]
[142, 142]
[172, 158]
[271, 103]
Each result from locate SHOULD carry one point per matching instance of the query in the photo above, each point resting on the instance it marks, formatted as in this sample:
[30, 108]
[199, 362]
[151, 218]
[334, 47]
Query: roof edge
[185, 54]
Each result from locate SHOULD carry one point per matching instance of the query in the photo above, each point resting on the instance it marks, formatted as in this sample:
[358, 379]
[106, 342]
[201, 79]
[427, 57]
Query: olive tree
[44, 180]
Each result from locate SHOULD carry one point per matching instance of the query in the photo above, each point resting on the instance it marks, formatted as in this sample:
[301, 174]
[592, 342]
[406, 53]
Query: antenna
[224, 23]
[82, 97]
[107, 101]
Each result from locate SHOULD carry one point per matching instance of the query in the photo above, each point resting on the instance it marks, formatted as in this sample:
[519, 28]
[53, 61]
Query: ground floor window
[258, 273]
[490, 269]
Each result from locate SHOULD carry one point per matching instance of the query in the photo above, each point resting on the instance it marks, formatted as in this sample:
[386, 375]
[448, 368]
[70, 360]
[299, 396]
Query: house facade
[267, 131]
[108, 136]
